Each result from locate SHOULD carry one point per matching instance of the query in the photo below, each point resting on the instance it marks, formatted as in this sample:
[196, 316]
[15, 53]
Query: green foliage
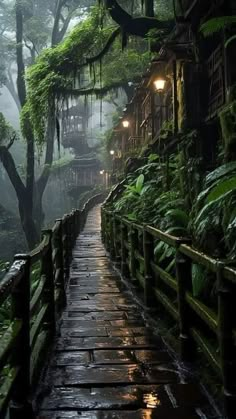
[153, 157]
[6, 131]
[211, 223]
[221, 190]
[144, 199]
[55, 71]
[61, 163]
[212, 218]
[55, 76]
[220, 172]
[217, 24]
[130, 63]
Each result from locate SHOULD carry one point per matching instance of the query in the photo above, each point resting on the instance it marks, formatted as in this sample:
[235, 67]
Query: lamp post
[102, 174]
[160, 83]
[112, 153]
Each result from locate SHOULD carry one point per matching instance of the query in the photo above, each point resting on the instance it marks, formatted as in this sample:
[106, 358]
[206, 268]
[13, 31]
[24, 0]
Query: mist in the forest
[64, 188]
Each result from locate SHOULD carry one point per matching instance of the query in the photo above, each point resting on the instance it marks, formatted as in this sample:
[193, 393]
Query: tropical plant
[213, 217]
[217, 24]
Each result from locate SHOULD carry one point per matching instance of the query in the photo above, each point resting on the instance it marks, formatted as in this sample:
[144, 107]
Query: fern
[217, 24]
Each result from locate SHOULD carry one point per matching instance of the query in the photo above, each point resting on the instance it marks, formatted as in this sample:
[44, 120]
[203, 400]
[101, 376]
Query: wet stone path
[106, 364]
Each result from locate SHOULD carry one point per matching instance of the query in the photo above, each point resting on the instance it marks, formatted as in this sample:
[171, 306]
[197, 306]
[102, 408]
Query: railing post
[83, 216]
[148, 251]
[103, 227]
[183, 267]
[116, 246]
[133, 247]
[111, 247]
[21, 407]
[77, 222]
[49, 290]
[65, 242]
[74, 228]
[124, 251]
[226, 343]
[70, 234]
[58, 264]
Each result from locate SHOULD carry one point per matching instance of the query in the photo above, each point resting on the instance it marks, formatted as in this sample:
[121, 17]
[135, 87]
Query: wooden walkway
[106, 363]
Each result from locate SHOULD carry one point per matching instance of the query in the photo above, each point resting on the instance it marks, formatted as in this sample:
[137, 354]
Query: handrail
[34, 312]
[210, 328]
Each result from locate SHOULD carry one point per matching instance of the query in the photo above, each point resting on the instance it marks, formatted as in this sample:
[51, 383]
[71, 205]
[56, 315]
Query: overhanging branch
[138, 26]
[96, 91]
[106, 48]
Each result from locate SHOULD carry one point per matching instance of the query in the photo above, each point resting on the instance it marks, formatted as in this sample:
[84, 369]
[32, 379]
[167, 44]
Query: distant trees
[28, 26]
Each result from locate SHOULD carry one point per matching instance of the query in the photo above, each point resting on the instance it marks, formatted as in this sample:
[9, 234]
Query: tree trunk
[22, 96]
[11, 88]
[27, 222]
[19, 54]
[149, 8]
[31, 233]
[41, 183]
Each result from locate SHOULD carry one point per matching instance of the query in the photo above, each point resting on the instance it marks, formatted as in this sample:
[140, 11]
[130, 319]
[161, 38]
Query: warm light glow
[151, 400]
[112, 152]
[101, 172]
[159, 84]
[125, 123]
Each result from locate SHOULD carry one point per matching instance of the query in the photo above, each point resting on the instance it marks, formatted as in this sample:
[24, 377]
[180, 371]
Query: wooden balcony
[215, 82]
[134, 143]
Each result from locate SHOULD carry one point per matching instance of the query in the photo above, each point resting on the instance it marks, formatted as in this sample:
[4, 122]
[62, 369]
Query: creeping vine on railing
[34, 307]
[201, 326]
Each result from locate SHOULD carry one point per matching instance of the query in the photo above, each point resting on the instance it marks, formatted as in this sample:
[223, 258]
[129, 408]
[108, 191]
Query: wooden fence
[33, 308]
[212, 330]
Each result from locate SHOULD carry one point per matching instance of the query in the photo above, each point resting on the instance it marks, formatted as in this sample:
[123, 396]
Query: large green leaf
[220, 172]
[216, 24]
[139, 183]
[222, 189]
[159, 248]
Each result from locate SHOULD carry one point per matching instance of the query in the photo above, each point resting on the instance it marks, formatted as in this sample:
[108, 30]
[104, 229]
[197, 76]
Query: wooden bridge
[107, 359]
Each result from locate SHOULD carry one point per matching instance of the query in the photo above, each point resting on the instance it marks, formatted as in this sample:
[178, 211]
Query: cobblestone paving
[106, 363]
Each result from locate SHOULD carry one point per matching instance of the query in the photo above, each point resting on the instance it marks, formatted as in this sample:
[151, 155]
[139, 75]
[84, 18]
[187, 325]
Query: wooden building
[184, 95]
[83, 172]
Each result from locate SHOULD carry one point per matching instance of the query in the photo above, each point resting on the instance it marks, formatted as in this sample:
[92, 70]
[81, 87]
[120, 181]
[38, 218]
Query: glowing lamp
[101, 172]
[112, 152]
[160, 84]
[125, 123]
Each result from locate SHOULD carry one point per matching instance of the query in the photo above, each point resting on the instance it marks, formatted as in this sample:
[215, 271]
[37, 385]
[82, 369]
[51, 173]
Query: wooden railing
[201, 326]
[33, 309]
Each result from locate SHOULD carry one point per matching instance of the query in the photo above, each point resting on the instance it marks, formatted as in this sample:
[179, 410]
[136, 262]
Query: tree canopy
[63, 71]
